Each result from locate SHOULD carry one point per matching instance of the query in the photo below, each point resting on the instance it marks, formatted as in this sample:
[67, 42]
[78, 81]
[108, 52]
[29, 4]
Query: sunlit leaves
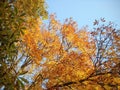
[61, 49]
[72, 58]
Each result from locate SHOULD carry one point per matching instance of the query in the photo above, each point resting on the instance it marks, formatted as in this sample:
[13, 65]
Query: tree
[14, 15]
[69, 58]
[56, 56]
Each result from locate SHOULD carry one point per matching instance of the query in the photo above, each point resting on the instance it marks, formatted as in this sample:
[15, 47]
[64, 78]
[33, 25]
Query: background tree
[14, 15]
[69, 58]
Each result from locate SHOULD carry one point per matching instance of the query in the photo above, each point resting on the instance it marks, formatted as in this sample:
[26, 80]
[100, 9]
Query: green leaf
[21, 20]
[24, 80]
[22, 32]
[24, 72]
[11, 43]
[5, 5]
[16, 11]
[23, 14]
[21, 84]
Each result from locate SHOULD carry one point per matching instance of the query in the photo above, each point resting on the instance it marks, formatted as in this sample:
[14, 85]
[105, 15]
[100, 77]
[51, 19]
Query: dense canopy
[35, 55]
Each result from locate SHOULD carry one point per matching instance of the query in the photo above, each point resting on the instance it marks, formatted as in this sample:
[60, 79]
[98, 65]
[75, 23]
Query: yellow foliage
[65, 54]
[66, 65]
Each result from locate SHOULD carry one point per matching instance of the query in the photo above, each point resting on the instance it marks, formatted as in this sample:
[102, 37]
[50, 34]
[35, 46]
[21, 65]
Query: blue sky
[86, 11]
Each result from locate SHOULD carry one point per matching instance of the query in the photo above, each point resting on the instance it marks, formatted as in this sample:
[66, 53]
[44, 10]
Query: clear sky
[86, 11]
